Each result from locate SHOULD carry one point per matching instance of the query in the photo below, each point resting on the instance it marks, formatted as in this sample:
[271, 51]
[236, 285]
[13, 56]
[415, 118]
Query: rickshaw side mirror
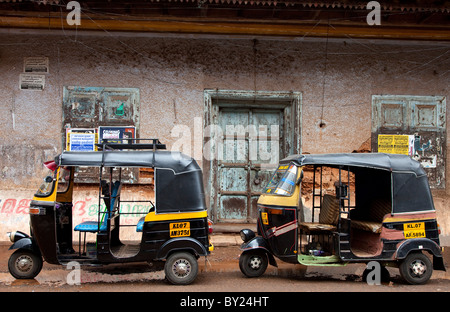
[299, 180]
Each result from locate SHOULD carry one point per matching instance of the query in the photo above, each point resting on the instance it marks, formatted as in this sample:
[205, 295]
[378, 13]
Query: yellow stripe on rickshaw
[152, 216]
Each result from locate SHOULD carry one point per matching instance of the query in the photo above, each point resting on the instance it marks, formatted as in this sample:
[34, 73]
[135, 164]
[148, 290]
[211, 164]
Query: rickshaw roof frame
[382, 161]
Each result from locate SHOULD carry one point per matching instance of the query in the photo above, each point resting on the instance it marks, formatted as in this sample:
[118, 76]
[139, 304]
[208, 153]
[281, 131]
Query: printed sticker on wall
[35, 64]
[32, 82]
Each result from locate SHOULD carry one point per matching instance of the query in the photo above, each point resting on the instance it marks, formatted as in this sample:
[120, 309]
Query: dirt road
[220, 274]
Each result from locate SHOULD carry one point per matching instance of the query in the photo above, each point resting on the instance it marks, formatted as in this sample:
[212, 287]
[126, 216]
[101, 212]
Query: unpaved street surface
[219, 274]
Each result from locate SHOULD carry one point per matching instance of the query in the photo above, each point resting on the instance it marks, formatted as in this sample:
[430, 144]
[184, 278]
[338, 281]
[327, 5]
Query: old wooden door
[246, 134]
[423, 117]
[249, 145]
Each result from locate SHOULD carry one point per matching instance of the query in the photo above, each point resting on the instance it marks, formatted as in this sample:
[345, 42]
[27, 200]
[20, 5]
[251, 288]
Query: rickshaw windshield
[283, 181]
[48, 183]
[63, 180]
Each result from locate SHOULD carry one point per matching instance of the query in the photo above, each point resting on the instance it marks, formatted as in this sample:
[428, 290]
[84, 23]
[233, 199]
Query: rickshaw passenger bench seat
[328, 216]
[377, 211]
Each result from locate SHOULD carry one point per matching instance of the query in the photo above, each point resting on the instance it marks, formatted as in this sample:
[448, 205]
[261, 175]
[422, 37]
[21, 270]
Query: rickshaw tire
[29, 258]
[422, 261]
[246, 262]
[181, 268]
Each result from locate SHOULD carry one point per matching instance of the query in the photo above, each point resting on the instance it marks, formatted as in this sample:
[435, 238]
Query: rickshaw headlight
[15, 236]
[247, 235]
[11, 236]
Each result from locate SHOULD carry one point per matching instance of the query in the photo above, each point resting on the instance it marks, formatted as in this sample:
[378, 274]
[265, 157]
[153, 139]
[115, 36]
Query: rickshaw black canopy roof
[178, 178]
[410, 191]
[391, 162]
[176, 161]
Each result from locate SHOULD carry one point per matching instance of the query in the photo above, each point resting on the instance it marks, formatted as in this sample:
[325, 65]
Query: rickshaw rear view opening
[175, 229]
[376, 207]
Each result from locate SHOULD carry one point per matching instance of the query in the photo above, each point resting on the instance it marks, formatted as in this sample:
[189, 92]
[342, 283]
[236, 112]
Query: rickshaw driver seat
[93, 226]
[328, 216]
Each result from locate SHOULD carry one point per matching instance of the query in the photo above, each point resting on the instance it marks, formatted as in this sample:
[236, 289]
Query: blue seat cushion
[90, 226]
[140, 225]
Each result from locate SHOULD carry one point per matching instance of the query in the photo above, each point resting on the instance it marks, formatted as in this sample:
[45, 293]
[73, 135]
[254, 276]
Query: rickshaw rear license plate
[414, 230]
[180, 229]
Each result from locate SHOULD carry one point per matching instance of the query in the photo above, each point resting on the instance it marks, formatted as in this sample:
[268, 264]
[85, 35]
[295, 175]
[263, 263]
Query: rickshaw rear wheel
[416, 268]
[253, 263]
[181, 268]
[24, 264]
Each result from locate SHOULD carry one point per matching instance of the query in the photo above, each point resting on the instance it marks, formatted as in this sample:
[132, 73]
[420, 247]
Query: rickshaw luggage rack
[113, 144]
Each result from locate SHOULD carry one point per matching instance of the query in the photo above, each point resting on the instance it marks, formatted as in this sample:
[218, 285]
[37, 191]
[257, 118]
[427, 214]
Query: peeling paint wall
[172, 74]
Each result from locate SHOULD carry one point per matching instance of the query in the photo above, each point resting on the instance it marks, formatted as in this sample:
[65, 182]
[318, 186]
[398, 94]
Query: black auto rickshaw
[364, 207]
[175, 229]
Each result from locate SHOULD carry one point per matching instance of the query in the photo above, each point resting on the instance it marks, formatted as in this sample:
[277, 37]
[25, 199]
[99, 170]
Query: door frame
[288, 101]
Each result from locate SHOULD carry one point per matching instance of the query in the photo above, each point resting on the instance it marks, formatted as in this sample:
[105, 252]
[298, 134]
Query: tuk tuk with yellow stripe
[335, 209]
[174, 231]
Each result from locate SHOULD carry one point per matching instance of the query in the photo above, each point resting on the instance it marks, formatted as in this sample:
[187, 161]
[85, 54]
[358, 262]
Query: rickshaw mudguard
[179, 244]
[419, 244]
[259, 242]
[26, 243]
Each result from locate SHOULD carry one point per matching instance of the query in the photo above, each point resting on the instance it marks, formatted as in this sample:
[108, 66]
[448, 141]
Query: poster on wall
[81, 139]
[396, 144]
[117, 134]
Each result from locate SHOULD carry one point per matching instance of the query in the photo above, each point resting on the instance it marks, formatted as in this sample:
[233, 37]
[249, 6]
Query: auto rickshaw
[363, 208]
[174, 230]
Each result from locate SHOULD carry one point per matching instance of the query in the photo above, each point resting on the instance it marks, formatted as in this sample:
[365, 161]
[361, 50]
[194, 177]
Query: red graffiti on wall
[10, 205]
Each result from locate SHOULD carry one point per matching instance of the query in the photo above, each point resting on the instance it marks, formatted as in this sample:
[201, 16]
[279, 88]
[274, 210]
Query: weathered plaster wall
[337, 80]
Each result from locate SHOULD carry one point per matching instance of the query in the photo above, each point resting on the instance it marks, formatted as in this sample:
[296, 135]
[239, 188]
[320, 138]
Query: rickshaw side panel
[43, 226]
[279, 227]
[159, 237]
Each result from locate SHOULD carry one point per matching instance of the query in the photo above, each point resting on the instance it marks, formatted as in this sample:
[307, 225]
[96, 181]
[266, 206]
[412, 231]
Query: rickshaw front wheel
[181, 268]
[24, 264]
[253, 263]
[416, 268]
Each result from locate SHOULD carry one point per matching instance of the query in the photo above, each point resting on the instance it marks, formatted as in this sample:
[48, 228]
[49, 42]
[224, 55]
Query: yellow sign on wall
[396, 144]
